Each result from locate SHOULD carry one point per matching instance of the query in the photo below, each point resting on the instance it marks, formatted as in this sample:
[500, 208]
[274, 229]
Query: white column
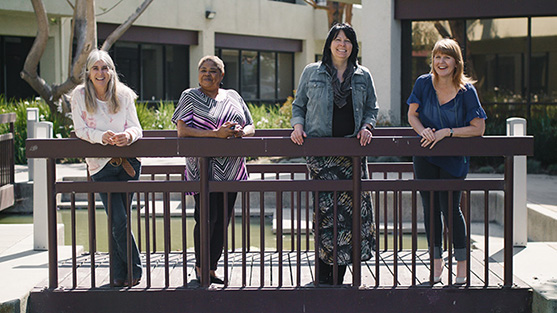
[40, 196]
[516, 126]
[205, 46]
[381, 43]
[32, 118]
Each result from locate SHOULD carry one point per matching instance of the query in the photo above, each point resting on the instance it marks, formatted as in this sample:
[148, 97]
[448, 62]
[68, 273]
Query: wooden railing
[7, 161]
[271, 144]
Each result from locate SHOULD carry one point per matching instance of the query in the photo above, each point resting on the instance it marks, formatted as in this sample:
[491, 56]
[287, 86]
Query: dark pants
[216, 226]
[425, 170]
[119, 220]
[326, 273]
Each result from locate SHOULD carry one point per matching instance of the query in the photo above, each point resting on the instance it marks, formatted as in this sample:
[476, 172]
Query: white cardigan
[91, 127]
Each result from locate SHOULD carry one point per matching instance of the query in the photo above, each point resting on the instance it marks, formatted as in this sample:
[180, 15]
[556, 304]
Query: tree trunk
[335, 12]
[85, 34]
[458, 33]
[118, 32]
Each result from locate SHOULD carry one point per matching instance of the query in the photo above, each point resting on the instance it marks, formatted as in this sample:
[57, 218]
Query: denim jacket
[313, 106]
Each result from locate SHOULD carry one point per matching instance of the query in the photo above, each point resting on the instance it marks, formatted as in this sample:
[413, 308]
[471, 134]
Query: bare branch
[314, 4]
[29, 72]
[108, 10]
[118, 32]
[85, 28]
[348, 16]
[71, 4]
[442, 30]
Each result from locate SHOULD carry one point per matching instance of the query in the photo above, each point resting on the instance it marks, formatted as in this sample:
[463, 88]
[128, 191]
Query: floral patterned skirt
[337, 168]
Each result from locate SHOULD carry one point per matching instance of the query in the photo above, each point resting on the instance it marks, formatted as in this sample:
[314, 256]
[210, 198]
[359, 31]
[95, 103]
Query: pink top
[90, 127]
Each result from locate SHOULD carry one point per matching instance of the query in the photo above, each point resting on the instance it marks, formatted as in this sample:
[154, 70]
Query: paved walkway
[22, 268]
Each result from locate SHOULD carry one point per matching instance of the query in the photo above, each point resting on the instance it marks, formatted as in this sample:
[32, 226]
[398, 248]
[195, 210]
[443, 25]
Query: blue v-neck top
[458, 112]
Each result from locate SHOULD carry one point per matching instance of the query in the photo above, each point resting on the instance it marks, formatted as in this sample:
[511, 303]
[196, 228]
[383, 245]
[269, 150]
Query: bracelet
[367, 127]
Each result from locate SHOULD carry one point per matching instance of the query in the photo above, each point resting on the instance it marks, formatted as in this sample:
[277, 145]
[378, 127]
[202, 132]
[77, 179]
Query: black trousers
[425, 170]
[326, 273]
[216, 226]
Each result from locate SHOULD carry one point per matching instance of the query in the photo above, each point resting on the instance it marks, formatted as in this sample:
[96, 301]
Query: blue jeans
[119, 220]
[425, 170]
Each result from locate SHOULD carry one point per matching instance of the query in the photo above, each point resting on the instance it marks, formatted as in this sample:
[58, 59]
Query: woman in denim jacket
[336, 98]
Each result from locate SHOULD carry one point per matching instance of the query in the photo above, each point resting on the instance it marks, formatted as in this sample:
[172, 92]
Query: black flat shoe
[118, 283]
[135, 282]
[216, 280]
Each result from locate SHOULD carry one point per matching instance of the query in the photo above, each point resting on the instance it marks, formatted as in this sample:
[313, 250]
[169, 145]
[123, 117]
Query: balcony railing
[7, 161]
[283, 189]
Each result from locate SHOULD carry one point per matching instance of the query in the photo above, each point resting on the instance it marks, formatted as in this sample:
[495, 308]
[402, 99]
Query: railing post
[516, 126]
[204, 220]
[40, 191]
[508, 218]
[32, 118]
[52, 230]
[356, 220]
[12, 155]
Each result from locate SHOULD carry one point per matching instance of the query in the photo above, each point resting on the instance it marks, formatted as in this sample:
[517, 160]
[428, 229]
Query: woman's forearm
[186, 131]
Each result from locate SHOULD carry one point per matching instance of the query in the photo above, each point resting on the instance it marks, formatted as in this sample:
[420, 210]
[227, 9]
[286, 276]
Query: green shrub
[552, 169]
[271, 116]
[544, 130]
[533, 166]
[486, 170]
[62, 125]
[156, 117]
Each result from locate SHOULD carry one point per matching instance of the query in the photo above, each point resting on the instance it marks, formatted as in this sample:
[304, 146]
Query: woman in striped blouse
[210, 111]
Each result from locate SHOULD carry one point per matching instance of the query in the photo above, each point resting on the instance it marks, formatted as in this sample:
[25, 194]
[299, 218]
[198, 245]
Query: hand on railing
[297, 136]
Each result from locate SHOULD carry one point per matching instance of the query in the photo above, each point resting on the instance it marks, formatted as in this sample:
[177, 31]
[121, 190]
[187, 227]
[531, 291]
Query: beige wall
[243, 17]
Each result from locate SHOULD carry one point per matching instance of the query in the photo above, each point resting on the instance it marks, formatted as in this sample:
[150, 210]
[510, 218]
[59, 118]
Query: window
[249, 70]
[13, 53]
[512, 60]
[259, 76]
[155, 71]
[231, 59]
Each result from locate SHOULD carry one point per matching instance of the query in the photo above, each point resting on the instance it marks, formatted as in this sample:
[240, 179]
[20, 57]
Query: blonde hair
[451, 48]
[218, 62]
[113, 86]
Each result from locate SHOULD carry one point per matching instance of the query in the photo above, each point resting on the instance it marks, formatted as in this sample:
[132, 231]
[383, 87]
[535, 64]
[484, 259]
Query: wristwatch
[451, 132]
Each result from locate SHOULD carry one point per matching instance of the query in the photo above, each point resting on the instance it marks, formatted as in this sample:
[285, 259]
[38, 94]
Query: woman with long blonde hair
[103, 112]
[444, 103]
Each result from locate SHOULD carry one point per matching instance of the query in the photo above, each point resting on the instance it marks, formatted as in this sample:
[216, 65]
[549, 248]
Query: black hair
[350, 34]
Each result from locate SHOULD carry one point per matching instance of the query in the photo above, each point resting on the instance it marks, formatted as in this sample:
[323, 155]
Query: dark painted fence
[272, 143]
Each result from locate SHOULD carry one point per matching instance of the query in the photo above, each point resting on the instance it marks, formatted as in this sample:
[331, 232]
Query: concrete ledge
[6, 197]
[541, 303]
[542, 223]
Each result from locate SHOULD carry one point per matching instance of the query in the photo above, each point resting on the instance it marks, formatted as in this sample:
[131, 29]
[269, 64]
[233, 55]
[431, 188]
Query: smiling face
[444, 65]
[341, 48]
[100, 76]
[209, 76]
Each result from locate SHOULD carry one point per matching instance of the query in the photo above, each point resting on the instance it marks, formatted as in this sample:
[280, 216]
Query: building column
[381, 43]
[205, 46]
[302, 59]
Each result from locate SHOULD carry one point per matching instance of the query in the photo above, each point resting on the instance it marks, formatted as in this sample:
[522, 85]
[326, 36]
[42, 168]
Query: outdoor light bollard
[516, 126]
[32, 118]
[40, 194]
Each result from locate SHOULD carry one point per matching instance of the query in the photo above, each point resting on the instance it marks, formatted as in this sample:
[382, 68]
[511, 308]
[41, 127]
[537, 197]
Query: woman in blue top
[445, 104]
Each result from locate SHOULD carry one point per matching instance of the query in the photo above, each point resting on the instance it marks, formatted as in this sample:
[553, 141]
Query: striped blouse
[198, 110]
